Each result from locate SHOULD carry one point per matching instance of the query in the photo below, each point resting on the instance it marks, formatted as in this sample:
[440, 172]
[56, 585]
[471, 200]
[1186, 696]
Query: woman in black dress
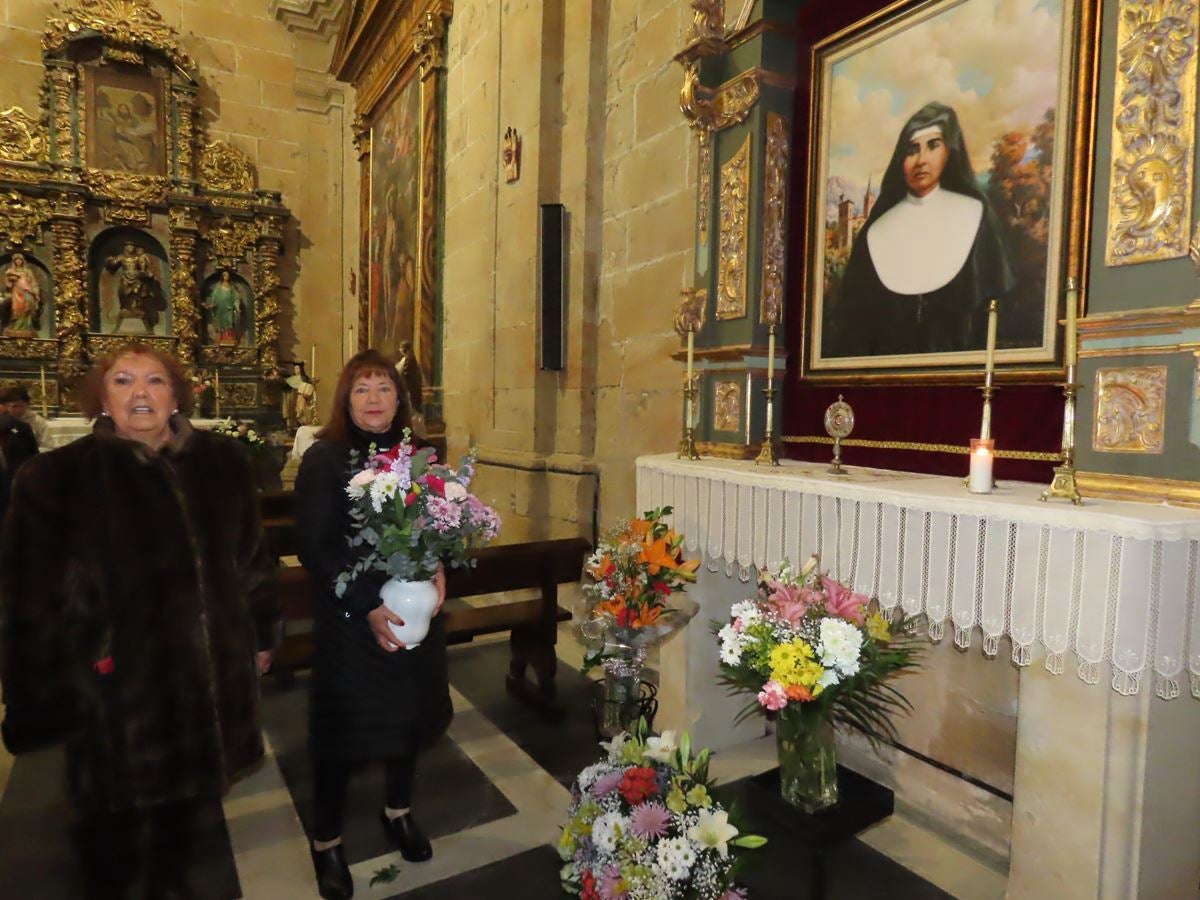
[372, 699]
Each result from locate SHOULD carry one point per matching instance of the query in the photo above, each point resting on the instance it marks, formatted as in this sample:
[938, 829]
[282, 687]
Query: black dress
[365, 703]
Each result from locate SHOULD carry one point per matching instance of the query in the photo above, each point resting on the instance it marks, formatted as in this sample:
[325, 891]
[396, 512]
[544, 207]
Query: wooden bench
[532, 622]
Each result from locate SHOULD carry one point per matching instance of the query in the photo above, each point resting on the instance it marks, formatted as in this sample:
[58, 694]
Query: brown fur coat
[156, 561]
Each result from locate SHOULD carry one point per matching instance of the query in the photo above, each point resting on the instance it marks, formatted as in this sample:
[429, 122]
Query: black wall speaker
[552, 282]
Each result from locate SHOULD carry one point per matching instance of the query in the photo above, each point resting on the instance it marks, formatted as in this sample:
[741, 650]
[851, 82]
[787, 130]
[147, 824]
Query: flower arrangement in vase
[411, 514]
[643, 825]
[634, 601]
[816, 655]
[241, 431]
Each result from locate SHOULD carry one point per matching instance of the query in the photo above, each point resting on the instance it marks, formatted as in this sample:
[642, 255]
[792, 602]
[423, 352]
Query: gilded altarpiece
[119, 222]
[393, 54]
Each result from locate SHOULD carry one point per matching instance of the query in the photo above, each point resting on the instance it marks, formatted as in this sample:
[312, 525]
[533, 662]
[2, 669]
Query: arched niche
[27, 301]
[227, 310]
[130, 284]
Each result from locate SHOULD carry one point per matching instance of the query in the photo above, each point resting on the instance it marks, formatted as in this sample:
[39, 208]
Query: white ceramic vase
[414, 602]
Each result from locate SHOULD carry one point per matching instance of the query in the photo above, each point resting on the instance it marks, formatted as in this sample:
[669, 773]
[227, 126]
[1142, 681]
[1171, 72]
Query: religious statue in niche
[139, 294]
[299, 398]
[228, 310]
[21, 307]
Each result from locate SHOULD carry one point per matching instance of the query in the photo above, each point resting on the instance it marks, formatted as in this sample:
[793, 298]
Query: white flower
[747, 611]
[589, 775]
[615, 746]
[675, 857]
[712, 830]
[840, 645]
[363, 478]
[384, 487]
[660, 748]
[828, 678]
[455, 491]
[607, 830]
[728, 635]
[731, 654]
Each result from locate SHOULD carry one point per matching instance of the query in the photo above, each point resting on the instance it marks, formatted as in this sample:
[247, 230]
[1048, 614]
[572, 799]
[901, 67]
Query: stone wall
[592, 89]
[264, 91]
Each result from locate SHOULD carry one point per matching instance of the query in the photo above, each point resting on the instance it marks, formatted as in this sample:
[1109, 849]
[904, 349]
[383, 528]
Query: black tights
[331, 780]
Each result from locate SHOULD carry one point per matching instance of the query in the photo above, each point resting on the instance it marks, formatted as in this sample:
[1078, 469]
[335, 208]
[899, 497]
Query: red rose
[410, 498]
[104, 666]
[435, 484]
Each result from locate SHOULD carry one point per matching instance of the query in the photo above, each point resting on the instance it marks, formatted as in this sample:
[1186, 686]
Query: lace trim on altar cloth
[1115, 586]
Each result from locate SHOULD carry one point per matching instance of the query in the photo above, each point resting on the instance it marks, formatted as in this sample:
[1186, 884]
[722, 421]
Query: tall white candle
[1072, 350]
[687, 387]
[217, 392]
[991, 336]
[770, 359]
[45, 409]
[312, 364]
[979, 481]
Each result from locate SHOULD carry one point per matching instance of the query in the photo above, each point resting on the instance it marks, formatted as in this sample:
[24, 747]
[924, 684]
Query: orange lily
[647, 615]
[656, 556]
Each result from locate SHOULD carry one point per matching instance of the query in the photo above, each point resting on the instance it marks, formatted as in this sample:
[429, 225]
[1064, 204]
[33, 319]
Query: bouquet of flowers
[412, 513]
[241, 431]
[635, 600]
[812, 651]
[643, 825]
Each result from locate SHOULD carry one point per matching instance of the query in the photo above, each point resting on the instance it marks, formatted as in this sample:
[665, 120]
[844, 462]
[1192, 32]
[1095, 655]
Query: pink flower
[773, 696]
[649, 820]
[738, 625]
[608, 783]
[841, 601]
[612, 886]
[790, 602]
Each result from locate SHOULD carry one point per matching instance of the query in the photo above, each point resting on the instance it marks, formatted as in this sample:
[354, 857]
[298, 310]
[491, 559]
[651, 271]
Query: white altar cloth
[1109, 581]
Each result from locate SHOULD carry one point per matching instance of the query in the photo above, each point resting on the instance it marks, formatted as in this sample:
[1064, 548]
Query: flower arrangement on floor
[643, 825]
[635, 600]
[411, 513]
[240, 431]
[813, 652]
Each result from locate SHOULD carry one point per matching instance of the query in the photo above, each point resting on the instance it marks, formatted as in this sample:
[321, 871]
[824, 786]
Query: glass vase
[622, 690]
[807, 759]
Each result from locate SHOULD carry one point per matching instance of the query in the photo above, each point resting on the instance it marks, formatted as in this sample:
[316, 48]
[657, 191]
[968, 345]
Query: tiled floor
[500, 781]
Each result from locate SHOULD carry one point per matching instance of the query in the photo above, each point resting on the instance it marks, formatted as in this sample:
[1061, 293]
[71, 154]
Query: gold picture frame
[1024, 254]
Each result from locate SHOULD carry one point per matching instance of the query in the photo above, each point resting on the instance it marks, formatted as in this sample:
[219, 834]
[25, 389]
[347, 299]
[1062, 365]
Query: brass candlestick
[1064, 485]
[689, 319]
[767, 456]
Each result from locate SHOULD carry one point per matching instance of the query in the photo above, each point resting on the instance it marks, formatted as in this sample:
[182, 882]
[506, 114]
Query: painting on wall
[130, 284]
[395, 220]
[939, 180]
[125, 122]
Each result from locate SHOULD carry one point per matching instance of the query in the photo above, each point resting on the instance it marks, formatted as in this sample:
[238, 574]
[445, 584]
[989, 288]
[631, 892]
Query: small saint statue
[139, 293]
[21, 308]
[410, 373]
[299, 399]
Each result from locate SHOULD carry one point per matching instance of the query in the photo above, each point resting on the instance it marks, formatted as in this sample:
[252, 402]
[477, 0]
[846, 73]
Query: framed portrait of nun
[941, 175]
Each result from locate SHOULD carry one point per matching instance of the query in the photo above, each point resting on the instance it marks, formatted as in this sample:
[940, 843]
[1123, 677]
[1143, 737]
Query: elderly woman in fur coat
[137, 612]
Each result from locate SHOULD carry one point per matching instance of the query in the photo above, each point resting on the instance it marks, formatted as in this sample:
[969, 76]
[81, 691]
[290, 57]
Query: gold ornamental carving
[775, 202]
[28, 348]
[734, 234]
[231, 240]
[704, 137]
[238, 394]
[184, 100]
[61, 83]
[727, 410]
[21, 138]
[1130, 409]
[21, 218]
[706, 36]
[107, 344]
[185, 317]
[228, 356]
[127, 188]
[224, 167]
[266, 302]
[719, 107]
[427, 43]
[127, 26]
[70, 276]
[1154, 129]
[691, 312]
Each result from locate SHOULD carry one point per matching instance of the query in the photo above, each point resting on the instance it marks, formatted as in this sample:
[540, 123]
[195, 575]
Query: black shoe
[333, 875]
[407, 835]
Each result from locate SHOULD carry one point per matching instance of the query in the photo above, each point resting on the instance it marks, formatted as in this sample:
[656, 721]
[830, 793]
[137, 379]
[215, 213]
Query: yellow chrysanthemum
[793, 665]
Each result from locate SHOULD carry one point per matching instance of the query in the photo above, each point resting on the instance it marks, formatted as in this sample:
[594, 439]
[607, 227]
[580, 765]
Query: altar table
[1106, 792]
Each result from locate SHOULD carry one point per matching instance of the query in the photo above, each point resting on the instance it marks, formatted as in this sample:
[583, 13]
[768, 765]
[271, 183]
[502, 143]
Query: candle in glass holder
[979, 480]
